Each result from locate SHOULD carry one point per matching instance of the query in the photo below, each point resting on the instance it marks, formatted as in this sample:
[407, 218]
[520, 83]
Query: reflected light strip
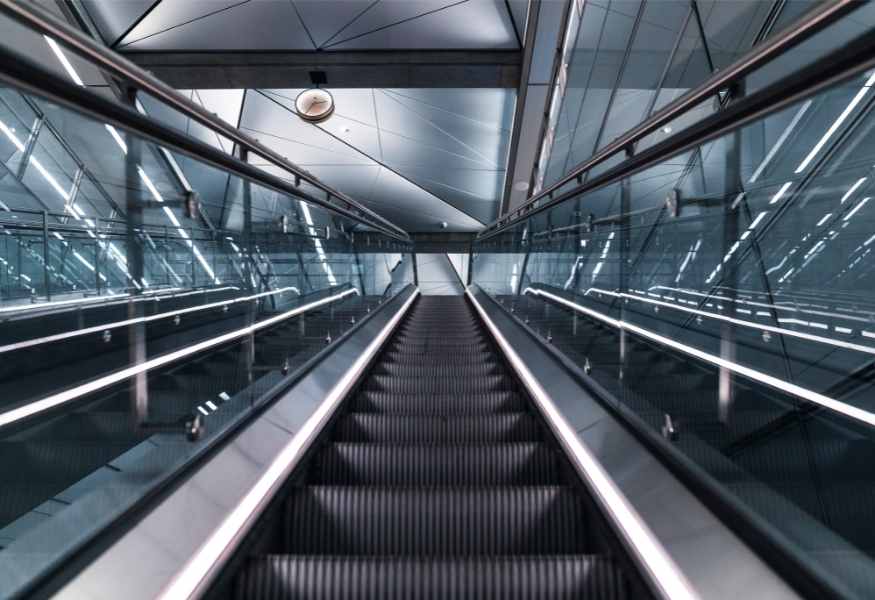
[779, 384]
[106, 326]
[836, 124]
[776, 305]
[188, 580]
[38, 406]
[780, 193]
[853, 189]
[661, 568]
[780, 141]
[109, 301]
[741, 322]
[65, 62]
[860, 205]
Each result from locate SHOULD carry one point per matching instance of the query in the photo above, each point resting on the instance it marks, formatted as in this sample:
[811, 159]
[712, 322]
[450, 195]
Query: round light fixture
[522, 186]
[314, 105]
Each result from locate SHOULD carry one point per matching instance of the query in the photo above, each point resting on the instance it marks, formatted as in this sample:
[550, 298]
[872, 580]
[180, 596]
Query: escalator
[437, 479]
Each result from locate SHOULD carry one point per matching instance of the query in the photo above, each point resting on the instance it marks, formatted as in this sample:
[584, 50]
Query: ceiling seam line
[446, 133]
[434, 106]
[354, 19]
[516, 32]
[381, 163]
[401, 22]
[304, 25]
[377, 122]
[133, 25]
[189, 22]
[424, 144]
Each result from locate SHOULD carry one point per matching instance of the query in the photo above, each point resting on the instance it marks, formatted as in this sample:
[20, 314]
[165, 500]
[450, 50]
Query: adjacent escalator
[436, 480]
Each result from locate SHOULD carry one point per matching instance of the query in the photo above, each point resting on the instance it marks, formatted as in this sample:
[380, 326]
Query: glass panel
[723, 298]
[144, 312]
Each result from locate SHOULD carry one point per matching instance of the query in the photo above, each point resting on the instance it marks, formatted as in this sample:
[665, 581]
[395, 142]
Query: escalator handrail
[39, 20]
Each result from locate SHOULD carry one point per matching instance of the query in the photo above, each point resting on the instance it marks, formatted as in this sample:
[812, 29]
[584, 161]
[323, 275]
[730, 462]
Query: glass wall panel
[723, 299]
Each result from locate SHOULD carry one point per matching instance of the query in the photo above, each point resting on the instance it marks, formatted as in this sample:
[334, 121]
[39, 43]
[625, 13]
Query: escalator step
[449, 359]
[435, 521]
[469, 370]
[283, 577]
[438, 385]
[415, 429]
[486, 402]
[377, 464]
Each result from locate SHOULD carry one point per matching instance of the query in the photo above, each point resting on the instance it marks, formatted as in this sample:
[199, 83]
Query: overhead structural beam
[361, 69]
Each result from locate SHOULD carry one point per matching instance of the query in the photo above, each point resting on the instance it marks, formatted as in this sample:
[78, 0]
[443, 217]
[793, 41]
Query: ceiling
[147, 25]
[422, 157]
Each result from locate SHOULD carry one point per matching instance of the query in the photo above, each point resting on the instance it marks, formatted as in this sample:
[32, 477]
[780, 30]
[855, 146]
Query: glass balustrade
[723, 301]
[150, 300]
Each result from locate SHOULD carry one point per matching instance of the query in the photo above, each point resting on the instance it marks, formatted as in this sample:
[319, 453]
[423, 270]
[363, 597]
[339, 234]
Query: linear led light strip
[106, 326]
[779, 384]
[741, 322]
[776, 305]
[662, 569]
[38, 406]
[139, 298]
[188, 580]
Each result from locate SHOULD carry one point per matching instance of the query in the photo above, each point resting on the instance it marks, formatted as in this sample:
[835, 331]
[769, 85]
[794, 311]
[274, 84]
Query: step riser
[366, 464]
[435, 522]
[507, 578]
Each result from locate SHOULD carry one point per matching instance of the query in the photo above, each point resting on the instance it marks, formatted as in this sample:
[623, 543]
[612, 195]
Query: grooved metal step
[478, 464]
[418, 429]
[435, 521]
[283, 577]
[434, 404]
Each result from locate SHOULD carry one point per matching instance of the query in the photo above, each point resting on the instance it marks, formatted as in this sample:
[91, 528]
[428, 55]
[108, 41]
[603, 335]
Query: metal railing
[134, 77]
[810, 24]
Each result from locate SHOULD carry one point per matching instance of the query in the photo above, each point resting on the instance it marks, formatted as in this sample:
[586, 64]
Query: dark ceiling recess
[318, 78]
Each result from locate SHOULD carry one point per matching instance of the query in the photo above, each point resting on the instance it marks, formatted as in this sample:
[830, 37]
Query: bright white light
[854, 211]
[63, 59]
[823, 219]
[781, 192]
[12, 137]
[853, 189]
[118, 138]
[758, 218]
[780, 141]
[837, 123]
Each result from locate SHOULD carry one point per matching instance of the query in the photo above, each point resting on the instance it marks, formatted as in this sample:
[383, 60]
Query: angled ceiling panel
[169, 14]
[384, 14]
[395, 24]
[344, 162]
[325, 25]
[471, 123]
[114, 20]
[252, 25]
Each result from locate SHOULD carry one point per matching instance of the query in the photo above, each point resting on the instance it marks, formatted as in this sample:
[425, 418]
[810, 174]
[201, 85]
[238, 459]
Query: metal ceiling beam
[354, 69]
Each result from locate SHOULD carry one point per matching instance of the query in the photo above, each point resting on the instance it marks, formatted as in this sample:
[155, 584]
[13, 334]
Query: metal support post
[732, 194]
